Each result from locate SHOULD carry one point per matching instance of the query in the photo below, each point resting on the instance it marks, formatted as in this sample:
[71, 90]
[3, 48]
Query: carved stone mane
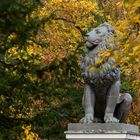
[90, 69]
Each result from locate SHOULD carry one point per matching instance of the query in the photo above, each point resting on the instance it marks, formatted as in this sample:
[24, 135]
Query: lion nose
[86, 35]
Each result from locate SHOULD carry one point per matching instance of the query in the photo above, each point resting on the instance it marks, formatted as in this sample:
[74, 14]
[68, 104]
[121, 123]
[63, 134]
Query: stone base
[102, 131]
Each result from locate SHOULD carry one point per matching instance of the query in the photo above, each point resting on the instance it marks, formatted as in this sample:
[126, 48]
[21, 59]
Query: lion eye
[97, 31]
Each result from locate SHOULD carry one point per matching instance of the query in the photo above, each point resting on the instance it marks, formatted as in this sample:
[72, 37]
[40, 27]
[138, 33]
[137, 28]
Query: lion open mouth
[90, 45]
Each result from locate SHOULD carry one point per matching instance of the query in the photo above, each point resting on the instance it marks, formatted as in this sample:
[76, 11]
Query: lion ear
[109, 27]
[112, 31]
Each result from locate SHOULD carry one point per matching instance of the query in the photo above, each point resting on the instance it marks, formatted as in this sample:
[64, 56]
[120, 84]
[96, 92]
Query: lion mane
[93, 71]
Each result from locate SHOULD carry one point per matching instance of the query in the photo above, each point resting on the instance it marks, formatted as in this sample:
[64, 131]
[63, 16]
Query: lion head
[97, 35]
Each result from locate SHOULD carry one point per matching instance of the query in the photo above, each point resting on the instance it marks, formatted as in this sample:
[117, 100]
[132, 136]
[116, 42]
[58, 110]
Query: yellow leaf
[91, 68]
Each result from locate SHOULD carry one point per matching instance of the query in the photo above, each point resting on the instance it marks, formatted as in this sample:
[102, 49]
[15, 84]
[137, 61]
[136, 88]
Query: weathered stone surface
[103, 127]
[102, 131]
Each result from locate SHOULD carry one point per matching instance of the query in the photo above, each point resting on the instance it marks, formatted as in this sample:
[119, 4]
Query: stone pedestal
[102, 131]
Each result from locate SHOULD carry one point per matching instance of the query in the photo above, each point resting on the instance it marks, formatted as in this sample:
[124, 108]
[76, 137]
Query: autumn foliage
[41, 45]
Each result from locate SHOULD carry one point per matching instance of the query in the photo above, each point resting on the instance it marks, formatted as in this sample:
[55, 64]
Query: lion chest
[99, 74]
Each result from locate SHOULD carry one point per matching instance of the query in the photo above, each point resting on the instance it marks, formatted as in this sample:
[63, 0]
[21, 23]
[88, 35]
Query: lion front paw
[87, 119]
[110, 119]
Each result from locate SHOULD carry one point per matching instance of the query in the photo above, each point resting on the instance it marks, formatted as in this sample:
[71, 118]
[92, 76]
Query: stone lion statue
[102, 101]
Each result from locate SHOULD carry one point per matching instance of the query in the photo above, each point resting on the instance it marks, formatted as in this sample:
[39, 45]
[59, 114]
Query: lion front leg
[88, 103]
[111, 103]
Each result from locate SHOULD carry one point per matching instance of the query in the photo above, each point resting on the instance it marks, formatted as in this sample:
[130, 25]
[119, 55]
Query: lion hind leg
[123, 108]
